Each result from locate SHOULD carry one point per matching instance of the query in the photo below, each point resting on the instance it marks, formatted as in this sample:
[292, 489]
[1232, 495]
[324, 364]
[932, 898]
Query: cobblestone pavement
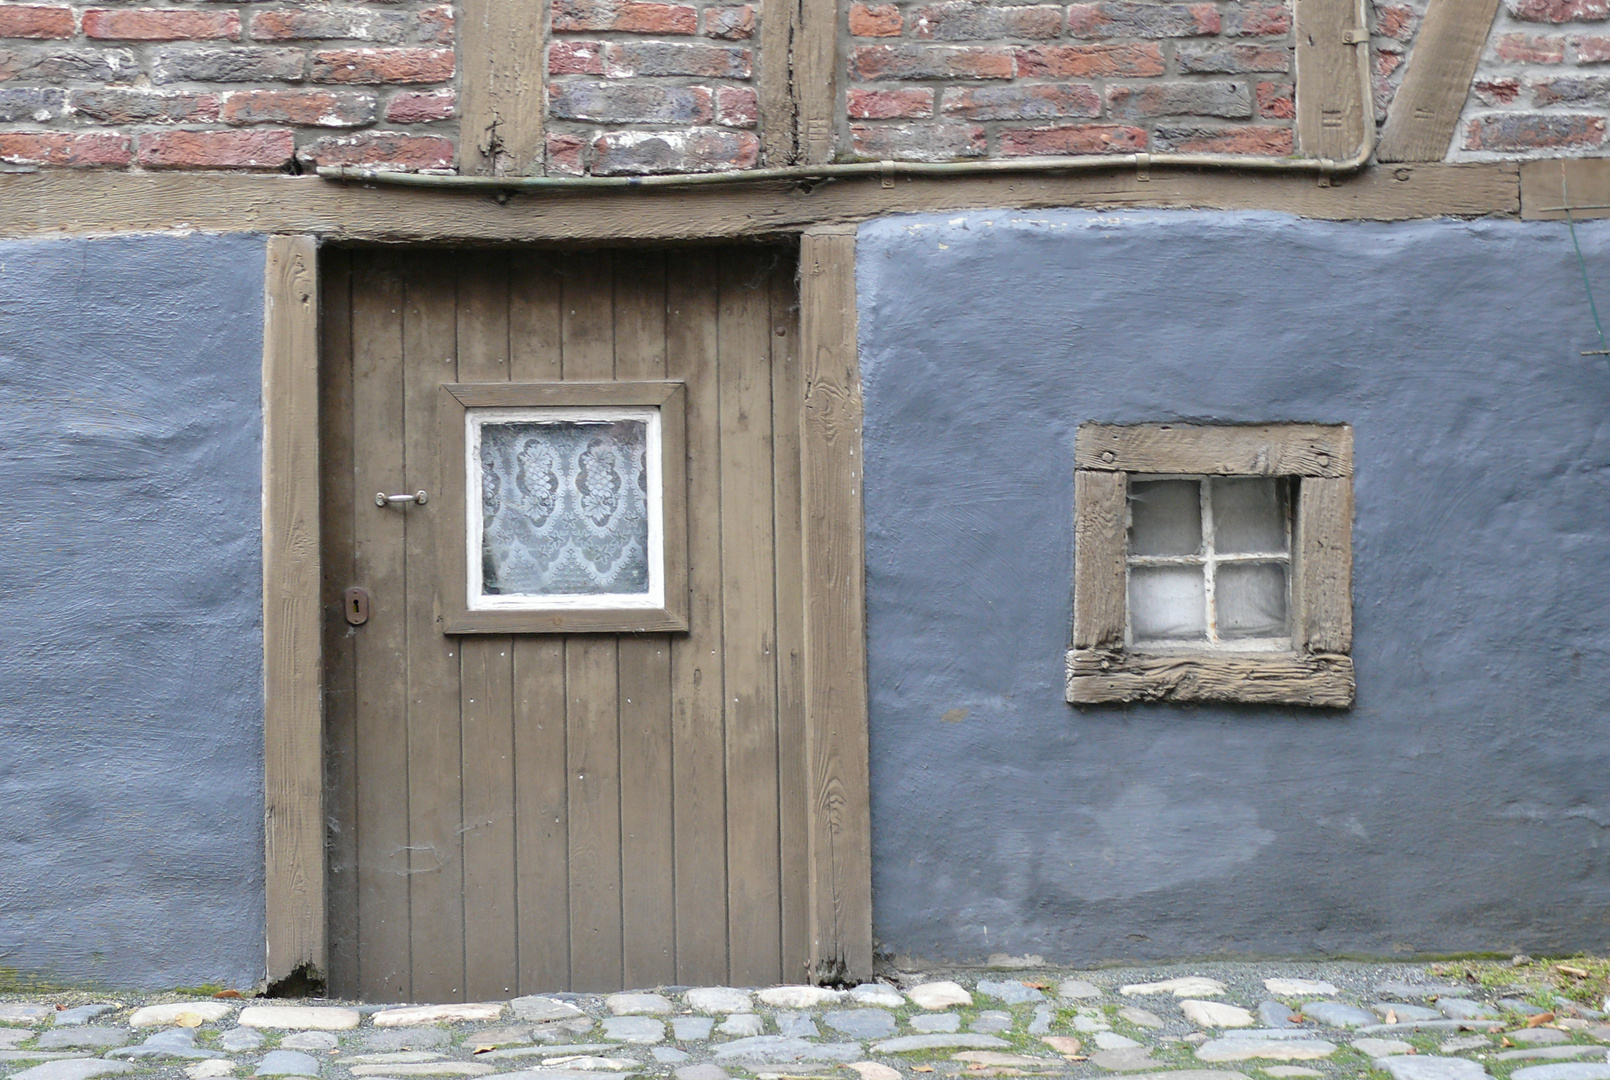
[1198, 1022]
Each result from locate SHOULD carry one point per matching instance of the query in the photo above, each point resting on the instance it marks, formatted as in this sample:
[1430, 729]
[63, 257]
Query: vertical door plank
[647, 876]
[381, 645]
[486, 689]
[835, 611]
[541, 809]
[340, 639]
[435, 806]
[699, 788]
[787, 397]
[592, 683]
[754, 909]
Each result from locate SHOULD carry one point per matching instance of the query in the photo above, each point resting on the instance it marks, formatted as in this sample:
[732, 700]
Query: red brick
[306, 108]
[1224, 59]
[737, 106]
[1530, 49]
[1560, 11]
[964, 20]
[683, 150]
[1090, 61]
[730, 23]
[632, 59]
[1256, 21]
[624, 16]
[116, 105]
[1276, 101]
[29, 21]
[392, 150]
[564, 154]
[1145, 100]
[617, 102]
[1072, 139]
[383, 66]
[304, 24]
[1582, 90]
[891, 104]
[918, 142]
[216, 149]
[875, 20]
[167, 25]
[414, 107]
[1495, 92]
[1128, 19]
[930, 62]
[1256, 141]
[1591, 50]
[61, 63]
[1395, 21]
[576, 58]
[1022, 101]
[77, 150]
[1534, 131]
[435, 25]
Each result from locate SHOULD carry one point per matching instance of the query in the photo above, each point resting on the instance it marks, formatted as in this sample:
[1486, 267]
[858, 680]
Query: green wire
[1565, 201]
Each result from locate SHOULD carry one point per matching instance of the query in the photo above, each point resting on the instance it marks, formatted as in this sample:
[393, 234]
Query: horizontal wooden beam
[1546, 187]
[1097, 676]
[48, 203]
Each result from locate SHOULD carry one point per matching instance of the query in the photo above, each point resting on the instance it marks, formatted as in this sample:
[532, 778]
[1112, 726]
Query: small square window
[1213, 563]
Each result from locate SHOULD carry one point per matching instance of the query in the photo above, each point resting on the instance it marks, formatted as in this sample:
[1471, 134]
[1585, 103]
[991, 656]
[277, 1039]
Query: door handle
[382, 499]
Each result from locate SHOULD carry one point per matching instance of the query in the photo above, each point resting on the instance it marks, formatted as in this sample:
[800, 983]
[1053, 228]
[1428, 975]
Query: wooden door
[513, 814]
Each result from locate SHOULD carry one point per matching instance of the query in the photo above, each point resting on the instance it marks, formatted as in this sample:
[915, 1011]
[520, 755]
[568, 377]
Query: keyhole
[357, 605]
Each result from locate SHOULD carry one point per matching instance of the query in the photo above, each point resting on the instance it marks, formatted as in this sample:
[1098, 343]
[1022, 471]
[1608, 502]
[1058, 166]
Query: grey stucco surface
[131, 771]
[1463, 804]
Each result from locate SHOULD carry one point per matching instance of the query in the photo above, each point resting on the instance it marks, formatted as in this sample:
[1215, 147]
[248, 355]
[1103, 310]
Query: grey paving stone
[1377, 1048]
[1274, 1014]
[557, 1030]
[39, 1055]
[1140, 1017]
[1010, 991]
[238, 1040]
[669, 1055]
[865, 1023]
[1403, 1011]
[742, 1026]
[778, 1050]
[1041, 1024]
[287, 1063]
[310, 1040]
[1573, 1070]
[1430, 1025]
[719, 999]
[639, 1030]
[1430, 1067]
[26, 1014]
[543, 1009]
[419, 1038]
[492, 1038]
[877, 994]
[1239, 1049]
[515, 1052]
[1397, 988]
[639, 1005]
[1111, 1040]
[906, 1043]
[795, 1025]
[1272, 1033]
[1549, 1053]
[934, 1023]
[1465, 1042]
[705, 1071]
[1539, 1036]
[1337, 1014]
[1455, 1008]
[1130, 1060]
[81, 1014]
[174, 1044]
[691, 1028]
[10, 1037]
[1520, 1005]
[89, 1038]
[1078, 989]
[74, 1069]
[991, 1022]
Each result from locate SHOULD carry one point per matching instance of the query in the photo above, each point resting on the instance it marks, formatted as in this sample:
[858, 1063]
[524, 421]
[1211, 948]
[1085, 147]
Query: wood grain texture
[1424, 114]
[815, 57]
[779, 110]
[1549, 186]
[293, 716]
[1100, 538]
[1323, 587]
[839, 835]
[1248, 450]
[69, 201]
[1330, 112]
[502, 79]
[1096, 676]
[340, 639]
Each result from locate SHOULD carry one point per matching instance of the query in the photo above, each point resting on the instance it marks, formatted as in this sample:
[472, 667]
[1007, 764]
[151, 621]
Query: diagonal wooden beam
[1423, 116]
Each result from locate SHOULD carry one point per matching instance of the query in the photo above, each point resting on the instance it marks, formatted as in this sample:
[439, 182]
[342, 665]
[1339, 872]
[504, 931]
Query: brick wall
[204, 85]
[962, 79]
[640, 87]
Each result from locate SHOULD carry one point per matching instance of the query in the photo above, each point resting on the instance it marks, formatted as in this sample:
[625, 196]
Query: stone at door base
[408, 1038]
[74, 1069]
[639, 1005]
[1009, 990]
[718, 999]
[287, 1063]
[877, 994]
[82, 1014]
[179, 1012]
[939, 995]
[543, 1010]
[299, 1017]
[1189, 986]
[410, 1015]
[798, 997]
[742, 1026]
[1215, 1014]
[691, 1028]
[1430, 1067]
[638, 1030]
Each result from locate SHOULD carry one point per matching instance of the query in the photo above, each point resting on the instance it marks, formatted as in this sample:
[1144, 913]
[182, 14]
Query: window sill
[1097, 676]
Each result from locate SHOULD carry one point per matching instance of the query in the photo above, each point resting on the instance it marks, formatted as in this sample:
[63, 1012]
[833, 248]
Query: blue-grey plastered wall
[131, 702]
[1463, 804]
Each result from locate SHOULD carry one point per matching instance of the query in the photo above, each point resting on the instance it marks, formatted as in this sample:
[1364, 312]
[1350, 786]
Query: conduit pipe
[1359, 38]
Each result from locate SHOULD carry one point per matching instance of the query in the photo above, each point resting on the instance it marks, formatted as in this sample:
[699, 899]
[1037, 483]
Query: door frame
[837, 811]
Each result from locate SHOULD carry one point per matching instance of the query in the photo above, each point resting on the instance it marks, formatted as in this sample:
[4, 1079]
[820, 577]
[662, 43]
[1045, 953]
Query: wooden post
[292, 656]
[1421, 122]
[504, 92]
[839, 822]
[1330, 112]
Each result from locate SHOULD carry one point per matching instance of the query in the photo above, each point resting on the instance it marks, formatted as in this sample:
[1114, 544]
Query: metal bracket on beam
[1143, 168]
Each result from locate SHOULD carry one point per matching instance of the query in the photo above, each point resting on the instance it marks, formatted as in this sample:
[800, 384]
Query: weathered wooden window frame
[669, 398]
[1317, 670]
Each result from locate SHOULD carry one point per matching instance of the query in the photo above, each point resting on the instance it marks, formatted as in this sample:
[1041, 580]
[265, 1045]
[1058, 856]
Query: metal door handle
[382, 499]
